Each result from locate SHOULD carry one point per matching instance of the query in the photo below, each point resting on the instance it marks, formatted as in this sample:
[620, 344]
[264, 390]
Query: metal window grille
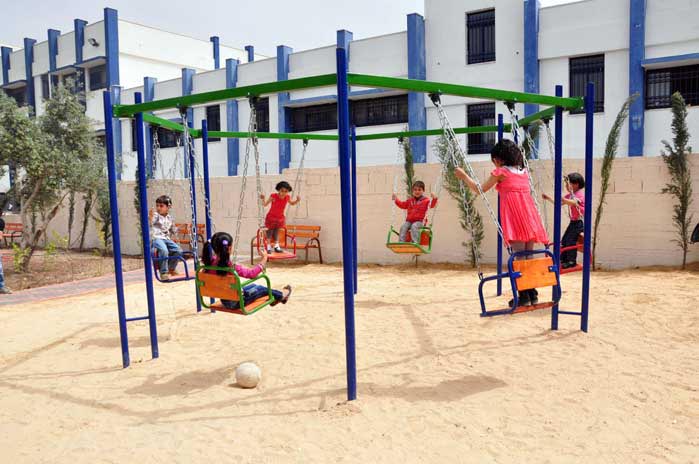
[480, 37]
[19, 94]
[482, 114]
[45, 87]
[377, 111]
[314, 118]
[213, 120]
[662, 83]
[364, 112]
[587, 69]
[98, 77]
[262, 109]
[166, 138]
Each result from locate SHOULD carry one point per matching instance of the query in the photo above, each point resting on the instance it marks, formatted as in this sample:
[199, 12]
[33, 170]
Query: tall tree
[676, 157]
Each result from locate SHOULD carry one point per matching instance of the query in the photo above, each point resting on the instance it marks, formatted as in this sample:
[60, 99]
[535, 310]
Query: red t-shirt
[276, 210]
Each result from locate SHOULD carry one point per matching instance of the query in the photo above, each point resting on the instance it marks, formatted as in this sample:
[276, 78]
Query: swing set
[532, 273]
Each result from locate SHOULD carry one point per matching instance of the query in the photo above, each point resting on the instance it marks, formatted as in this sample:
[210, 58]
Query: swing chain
[252, 128]
[256, 151]
[188, 156]
[297, 181]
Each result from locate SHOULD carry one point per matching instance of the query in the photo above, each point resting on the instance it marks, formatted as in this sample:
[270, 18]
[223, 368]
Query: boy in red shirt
[417, 207]
[276, 218]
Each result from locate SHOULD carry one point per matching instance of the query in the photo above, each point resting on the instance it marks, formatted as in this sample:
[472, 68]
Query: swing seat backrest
[222, 287]
[535, 273]
[424, 238]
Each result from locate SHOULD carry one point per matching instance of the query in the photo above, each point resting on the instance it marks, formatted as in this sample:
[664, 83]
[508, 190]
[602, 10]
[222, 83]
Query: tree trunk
[87, 207]
[71, 215]
[34, 244]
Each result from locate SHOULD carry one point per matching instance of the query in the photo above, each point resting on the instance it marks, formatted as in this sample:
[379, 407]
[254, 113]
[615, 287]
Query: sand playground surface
[436, 382]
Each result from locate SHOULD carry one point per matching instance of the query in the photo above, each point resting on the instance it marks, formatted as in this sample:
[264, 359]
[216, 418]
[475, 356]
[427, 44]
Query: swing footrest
[518, 309]
[249, 308]
[282, 255]
[406, 248]
[576, 268]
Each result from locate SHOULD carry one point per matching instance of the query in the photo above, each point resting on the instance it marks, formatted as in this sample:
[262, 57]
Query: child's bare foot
[286, 293]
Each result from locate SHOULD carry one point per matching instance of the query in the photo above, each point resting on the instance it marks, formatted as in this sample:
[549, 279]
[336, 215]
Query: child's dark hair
[508, 153]
[283, 185]
[419, 183]
[163, 200]
[218, 246]
[576, 178]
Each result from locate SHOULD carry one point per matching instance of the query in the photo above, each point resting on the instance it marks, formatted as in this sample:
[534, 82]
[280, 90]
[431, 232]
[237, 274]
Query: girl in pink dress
[519, 218]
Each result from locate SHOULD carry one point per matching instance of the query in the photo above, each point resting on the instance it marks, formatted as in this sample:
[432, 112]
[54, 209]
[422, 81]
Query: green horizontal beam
[428, 132]
[272, 135]
[186, 101]
[167, 124]
[541, 115]
[414, 85]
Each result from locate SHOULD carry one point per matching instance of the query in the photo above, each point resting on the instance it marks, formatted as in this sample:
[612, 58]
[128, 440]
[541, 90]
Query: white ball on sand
[248, 375]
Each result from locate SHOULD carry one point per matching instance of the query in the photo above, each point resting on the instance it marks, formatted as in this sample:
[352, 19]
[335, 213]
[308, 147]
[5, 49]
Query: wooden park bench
[12, 231]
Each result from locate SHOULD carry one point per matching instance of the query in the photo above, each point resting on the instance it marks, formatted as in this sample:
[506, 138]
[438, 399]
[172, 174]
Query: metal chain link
[202, 188]
[252, 129]
[188, 154]
[400, 157]
[297, 182]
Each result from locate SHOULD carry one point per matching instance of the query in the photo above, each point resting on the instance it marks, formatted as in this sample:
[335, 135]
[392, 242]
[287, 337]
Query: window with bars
[583, 70]
[45, 87]
[213, 120]
[19, 94]
[480, 37]
[262, 109]
[364, 112]
[481, 114]
[166, 138]
[98, 77]
[662, 83]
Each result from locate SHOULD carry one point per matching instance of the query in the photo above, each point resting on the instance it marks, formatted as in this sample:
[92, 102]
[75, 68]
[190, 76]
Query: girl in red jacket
[417, 207]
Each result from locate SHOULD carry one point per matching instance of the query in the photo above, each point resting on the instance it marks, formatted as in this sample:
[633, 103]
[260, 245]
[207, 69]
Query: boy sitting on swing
[163, 228]
[417, 207]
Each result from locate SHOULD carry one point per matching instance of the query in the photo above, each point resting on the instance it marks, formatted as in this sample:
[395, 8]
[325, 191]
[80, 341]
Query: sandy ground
[437, 383]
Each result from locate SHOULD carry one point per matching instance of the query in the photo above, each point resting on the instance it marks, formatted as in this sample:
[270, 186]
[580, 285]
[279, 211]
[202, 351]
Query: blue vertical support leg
[501, 130]
[189, 155]
[207, 184]
[116, 241]
[557, 191]
[145, 233]
[354, 205]
[589, 174]
[343, 121]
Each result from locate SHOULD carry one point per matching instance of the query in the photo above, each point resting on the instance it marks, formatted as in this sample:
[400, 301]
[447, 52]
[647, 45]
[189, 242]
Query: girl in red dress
[275, 218]
[519, 218]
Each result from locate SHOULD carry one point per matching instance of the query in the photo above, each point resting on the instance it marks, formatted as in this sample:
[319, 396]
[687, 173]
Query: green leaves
[676, 157]
[409, 166]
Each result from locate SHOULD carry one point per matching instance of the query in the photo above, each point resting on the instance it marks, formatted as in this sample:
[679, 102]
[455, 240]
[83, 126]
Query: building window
[133, 135]
[19, 94]
[262, 111]
[98, 77]
[377, 111]
[482, 114]
[213, 120]
[480, 37]
[314, 118]
[45, 87]
[168, 138]
[587, 69]
[364, 112]
[662, 83]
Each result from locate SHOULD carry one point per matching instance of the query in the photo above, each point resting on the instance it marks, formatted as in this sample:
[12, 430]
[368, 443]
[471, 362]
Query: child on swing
[276, 218]
[519, 218]
[575, 200]
[163, 229]
[217, 252]
[417, 207]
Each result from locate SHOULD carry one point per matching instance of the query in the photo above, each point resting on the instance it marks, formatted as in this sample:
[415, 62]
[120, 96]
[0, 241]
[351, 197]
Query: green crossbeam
[424, 133]
[125, 111]
[273, 135]
[169, 125]
[414, 85]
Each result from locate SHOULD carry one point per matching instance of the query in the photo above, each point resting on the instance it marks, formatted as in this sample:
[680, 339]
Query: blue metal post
[189, 155]
[145, 234]
[343, 122]
[116, 240]
[557, 188]
[207, 185]
[501, 130]
[354, 205]
[589, 174]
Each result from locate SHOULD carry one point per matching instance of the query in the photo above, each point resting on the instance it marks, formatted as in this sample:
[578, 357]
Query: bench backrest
[14, 227]
[303, 231]
[184, 230]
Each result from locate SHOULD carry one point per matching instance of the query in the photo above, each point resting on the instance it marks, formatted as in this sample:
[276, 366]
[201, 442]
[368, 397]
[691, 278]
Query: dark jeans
[251, 293]
[570, 238]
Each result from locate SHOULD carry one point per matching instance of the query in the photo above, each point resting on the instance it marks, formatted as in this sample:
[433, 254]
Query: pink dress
[519, 218]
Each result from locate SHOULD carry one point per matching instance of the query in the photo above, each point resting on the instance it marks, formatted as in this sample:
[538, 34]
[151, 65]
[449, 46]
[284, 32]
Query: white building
[650, 47]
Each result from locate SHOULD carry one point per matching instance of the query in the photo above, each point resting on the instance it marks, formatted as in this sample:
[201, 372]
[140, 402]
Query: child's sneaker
[269, 250]
[277, 249]
[5, 291]
[533, 296]
[164, 277]
[523, 300]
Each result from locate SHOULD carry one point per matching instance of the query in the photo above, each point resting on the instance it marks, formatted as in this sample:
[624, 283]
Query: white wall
[41, 58]
[17, 69]
[66, 50]
[94, 31]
